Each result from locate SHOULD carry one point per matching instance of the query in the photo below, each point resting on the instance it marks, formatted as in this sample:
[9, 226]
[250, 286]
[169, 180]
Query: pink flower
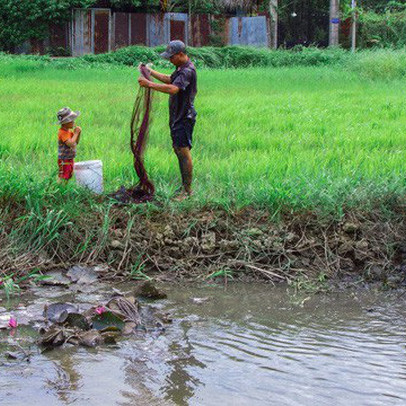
[12, 323]
[100, 309]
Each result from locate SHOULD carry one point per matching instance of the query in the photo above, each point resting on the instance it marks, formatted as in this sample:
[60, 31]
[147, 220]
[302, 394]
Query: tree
[21, 20]
[380, 6]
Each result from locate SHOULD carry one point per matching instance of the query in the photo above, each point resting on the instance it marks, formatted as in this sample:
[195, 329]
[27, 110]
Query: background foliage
[301, 22]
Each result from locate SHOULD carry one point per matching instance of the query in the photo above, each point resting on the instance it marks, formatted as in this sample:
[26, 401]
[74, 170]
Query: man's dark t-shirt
[181, 105]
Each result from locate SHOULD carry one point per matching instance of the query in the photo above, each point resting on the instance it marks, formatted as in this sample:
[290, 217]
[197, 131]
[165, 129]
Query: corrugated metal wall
[201, 30]
[161, 28]
[81, 32]
[99, 30]
[155, 29]
[176, 27]
[121, 33]
[101, 22]
[138, 29]
[91, 31]
[248, 31]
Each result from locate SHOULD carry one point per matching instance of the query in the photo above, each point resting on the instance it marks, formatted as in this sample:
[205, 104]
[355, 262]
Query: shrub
[222, 57]
[383, 30]
[379, 64]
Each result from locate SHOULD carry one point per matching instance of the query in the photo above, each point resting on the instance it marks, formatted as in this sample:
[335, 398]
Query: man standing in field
[182, 88]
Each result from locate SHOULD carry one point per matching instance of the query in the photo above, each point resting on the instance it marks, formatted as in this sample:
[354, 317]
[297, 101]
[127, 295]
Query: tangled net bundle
[141, 118]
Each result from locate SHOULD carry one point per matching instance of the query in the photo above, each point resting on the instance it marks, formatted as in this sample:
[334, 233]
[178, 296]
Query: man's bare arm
[164, 88]
[160, 76]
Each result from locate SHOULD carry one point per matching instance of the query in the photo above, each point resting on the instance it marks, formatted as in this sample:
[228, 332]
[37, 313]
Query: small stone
[393, 281]
[55, 279]
[228, 244]
[175, 252]
[129, 328]
[199, 300]
[168, 232]
[190, 241]
[375, 273]
[277, 245]
[362, 245]
[257, 244]
[255, 232]
[150, 291]
[345, 248]
[208, 242]
[82, 275]
[115, 244]
[347, 264]
[350, 227]
[291, 237]
[101, 268]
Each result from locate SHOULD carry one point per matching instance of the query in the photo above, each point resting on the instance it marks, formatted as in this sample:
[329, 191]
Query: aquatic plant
[13, 323]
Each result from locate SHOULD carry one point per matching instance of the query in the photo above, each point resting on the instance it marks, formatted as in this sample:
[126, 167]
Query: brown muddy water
[247, 345]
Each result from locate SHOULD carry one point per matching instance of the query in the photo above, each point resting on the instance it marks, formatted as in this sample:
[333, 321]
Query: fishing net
[140, 122]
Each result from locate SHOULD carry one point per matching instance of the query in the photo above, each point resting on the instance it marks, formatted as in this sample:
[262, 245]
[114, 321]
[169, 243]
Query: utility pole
[273, 11]
[354, 25]
[334, 23]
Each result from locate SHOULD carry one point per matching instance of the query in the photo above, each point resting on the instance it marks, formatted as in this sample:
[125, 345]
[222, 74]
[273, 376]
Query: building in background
[260, 23]
[100, 30]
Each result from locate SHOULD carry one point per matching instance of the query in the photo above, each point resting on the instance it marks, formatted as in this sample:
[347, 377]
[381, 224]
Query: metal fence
[99, 30]
[248, 31]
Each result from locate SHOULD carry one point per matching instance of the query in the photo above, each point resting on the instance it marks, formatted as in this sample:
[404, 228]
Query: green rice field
[319, 138]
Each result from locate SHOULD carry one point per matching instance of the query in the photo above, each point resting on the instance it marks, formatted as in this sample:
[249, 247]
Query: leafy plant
[304, 283]
[382, 30]
[11, 283]
[137, 270]
[21, 20]
[222, 273]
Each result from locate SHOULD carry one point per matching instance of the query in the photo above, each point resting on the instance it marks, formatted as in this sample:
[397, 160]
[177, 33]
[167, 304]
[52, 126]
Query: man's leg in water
[186, 167]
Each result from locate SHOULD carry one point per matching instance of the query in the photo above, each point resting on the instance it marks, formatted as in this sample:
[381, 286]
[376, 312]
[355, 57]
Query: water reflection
[250, 345]
[65, 379]
[180, 384]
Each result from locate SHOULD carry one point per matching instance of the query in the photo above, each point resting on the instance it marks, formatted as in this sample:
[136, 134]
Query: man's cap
[66, 115]
[173, 48]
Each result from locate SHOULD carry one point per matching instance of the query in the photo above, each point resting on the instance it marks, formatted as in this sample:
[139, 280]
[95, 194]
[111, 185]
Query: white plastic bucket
[90, 175]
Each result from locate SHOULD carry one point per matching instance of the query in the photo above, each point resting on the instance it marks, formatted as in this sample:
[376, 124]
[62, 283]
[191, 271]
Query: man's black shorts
[182, 135]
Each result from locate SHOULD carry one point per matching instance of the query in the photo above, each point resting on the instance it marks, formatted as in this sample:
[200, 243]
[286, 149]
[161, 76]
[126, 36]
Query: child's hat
[66, 115]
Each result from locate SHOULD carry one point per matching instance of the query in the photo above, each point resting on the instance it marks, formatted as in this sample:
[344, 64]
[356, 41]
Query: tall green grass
[227, 57]
[288, 138]
[379, 64]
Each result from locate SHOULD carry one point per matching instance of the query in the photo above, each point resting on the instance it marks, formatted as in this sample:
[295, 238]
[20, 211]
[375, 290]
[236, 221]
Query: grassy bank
[372, 64]
[319, 139]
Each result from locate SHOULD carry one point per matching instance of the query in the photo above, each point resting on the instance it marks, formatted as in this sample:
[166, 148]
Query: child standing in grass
[68, 138]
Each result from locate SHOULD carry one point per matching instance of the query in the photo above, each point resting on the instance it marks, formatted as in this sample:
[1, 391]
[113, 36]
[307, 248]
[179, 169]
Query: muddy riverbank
[246, 245]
